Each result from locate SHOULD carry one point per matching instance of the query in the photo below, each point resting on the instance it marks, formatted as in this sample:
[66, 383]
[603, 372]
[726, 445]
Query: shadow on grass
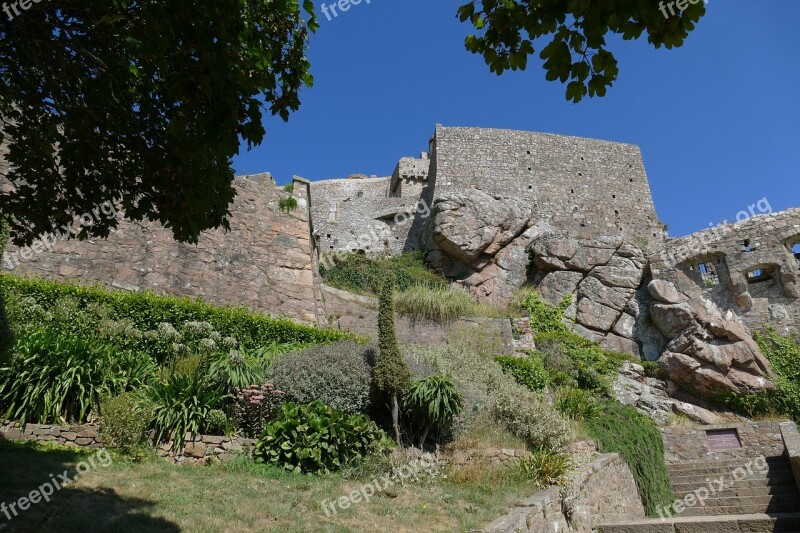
[24, 467]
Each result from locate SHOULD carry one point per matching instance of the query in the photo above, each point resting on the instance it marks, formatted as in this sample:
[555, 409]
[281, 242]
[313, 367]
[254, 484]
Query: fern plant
[434, 400]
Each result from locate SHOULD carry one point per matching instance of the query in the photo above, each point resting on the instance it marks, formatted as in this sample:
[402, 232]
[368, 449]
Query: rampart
[266, 262]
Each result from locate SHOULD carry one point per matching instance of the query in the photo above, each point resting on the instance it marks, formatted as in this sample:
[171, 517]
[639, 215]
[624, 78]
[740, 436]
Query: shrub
[234, 370]
[361, 274]
[434, 401]
[337, 374]
[254, 406]
[58, 377]
[783, 353]
[576, 404]
[6, 331]
[527, 371]
[313, 438]
[544, 468]
[146, 311]
[532, 420]
[440, 304]
[124, 420]
[182, 404]
[287, 205]
[622, 429]
[392, 375]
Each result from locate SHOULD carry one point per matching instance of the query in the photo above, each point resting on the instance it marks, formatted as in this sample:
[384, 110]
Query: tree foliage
[509, 31]
[141, 102]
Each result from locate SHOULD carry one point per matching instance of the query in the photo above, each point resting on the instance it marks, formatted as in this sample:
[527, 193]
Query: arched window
[796, 251]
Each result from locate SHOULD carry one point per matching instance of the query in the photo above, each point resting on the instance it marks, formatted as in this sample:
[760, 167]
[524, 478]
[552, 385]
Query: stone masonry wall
[684, 444]
[716, 262]
[602, 491]
[586, 187]
[266, 262]
[199, 449]
[359, 314]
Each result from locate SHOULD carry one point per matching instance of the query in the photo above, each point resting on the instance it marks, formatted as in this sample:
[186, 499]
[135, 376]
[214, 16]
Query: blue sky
[718, 120]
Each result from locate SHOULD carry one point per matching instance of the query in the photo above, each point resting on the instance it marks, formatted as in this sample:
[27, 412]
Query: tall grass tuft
[440, 304]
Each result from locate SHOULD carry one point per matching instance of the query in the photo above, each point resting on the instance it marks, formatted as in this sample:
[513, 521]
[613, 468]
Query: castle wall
[585, 187]
[266, 262]
[361, 215]
[723, 263]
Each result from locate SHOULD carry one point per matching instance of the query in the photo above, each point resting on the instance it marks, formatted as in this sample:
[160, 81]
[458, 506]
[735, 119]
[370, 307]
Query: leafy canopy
[142, 102]
[509, 31]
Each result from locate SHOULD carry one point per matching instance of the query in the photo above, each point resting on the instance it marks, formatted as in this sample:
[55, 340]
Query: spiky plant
[435, 401]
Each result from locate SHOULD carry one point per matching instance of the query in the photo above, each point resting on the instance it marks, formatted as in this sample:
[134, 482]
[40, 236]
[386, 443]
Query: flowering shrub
[254, 406]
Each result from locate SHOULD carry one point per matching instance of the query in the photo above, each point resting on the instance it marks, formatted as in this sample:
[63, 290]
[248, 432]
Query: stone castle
[493, 210]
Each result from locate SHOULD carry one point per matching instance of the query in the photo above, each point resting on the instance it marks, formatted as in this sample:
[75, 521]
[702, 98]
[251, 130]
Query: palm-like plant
[435, 400]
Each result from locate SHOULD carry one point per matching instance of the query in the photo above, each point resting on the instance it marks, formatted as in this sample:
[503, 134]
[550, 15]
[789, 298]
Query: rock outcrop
[603, 275]
[707, 352]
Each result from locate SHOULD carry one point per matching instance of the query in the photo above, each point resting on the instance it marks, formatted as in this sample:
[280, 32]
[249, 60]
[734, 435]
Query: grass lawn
[240, 496]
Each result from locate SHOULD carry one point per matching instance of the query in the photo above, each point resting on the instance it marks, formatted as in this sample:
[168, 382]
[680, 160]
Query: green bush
[124, 421]
[622, 429]
[783, 353]
[577, 404]
[570, 359]
[531, 420]
[360, 274]
[57, 377]
[337, 374]
[7, 338]
[313, 438]
[585, 362]
[440, 304]
[487, 391]
[527, 371]
[544, 468]
[435, 401]
[146, 311]
[183, 404]
[234, 370]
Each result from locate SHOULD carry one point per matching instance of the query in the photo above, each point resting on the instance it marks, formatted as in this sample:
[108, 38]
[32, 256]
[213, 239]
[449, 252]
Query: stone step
[733, 463]
[748, 484]
[752, 501]
[784, 474]
[744, 491]
[740, 509]
[709, 468]
[755, 523]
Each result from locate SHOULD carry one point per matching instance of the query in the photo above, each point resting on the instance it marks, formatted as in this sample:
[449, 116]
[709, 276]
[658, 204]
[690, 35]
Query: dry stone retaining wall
[199, 449]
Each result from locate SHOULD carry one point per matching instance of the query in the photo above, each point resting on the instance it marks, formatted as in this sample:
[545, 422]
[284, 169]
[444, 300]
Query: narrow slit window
[746, 246]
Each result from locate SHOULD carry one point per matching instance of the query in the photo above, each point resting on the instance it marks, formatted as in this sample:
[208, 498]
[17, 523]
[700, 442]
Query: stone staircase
[771, 491]
[736, 499]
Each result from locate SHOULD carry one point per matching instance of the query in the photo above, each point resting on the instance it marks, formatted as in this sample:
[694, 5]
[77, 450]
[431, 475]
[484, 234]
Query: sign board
[723, 439]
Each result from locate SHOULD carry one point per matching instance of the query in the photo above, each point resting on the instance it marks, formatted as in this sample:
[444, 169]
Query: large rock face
[603, 275]
[471, 224]
[483, 240]
[707, 352]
